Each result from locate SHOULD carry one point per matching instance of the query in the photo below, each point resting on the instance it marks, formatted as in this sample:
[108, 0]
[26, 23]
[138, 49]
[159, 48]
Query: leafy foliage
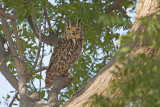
[139, 85]
[139, 82]
[99, 31]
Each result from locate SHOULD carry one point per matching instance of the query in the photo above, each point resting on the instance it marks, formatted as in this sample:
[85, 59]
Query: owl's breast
[65, 54]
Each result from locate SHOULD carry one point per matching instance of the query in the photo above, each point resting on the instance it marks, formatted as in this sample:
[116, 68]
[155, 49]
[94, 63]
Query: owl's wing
[64, 55]
[52, 73]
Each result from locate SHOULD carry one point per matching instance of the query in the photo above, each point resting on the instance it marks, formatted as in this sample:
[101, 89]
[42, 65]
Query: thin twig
[15, 96]
[39, 49]
[62, 15]
[33, 86]
[41, 69]
[46, 17]
[38, 70]
[34, 18]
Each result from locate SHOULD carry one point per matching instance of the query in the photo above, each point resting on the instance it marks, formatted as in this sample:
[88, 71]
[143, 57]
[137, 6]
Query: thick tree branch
[17, 40]
[4, 69]
[97, 84]
[8, 36]
[9, 76]
[59, 84]
[41, 104]
[6, 15]
[35, 96]
[116, 5]
[52, 39]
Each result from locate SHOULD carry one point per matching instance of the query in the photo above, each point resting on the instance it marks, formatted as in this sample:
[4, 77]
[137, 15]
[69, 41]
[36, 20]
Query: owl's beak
[73, 33]
[74, 41]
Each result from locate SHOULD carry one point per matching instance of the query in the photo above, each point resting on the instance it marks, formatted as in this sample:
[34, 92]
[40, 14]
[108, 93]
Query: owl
[65, 53]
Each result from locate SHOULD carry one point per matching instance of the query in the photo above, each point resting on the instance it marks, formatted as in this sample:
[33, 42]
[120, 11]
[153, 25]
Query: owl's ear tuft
[68, 23]
[79, 23]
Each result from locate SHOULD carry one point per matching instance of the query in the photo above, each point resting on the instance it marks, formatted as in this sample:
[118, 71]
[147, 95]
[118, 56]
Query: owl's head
[73, 31]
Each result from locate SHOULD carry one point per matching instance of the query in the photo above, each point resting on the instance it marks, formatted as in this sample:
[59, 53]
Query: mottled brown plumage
[65, 53]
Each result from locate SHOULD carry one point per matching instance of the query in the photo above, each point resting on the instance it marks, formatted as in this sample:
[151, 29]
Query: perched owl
[65, 53]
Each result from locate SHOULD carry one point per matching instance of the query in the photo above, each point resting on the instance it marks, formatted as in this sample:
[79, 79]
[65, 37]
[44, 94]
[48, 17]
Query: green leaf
[124, 49]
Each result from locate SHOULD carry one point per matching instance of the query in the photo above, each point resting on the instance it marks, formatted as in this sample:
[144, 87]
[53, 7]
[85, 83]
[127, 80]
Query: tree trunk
[100, 82]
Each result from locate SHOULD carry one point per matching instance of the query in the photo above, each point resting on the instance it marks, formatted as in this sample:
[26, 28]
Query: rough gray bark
[3, 67]
[18, 63]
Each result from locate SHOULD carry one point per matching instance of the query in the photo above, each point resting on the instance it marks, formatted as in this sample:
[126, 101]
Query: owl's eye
[78, 28]
[68, 28]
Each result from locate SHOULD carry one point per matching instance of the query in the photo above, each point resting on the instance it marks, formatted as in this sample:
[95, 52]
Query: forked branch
[3, 67]
[59, 84]
[51, 39]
